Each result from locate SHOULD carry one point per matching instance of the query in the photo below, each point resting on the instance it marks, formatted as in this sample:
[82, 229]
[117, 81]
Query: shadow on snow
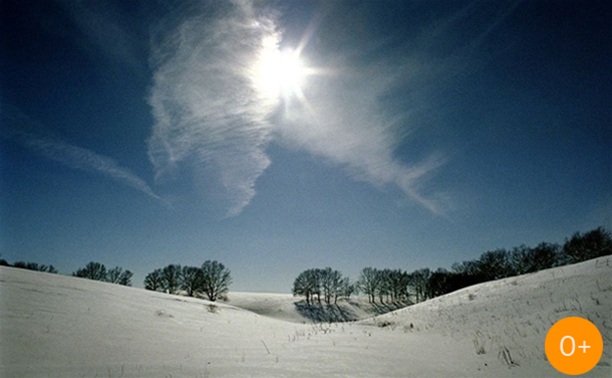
[344, 311]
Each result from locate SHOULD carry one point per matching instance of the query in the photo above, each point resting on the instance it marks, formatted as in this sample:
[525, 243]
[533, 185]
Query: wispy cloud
[19, 128]
[345, 123]
[208, 110]
[206, 107]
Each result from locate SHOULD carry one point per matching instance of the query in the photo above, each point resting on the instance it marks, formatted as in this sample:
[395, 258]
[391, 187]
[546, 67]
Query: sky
[278, 136]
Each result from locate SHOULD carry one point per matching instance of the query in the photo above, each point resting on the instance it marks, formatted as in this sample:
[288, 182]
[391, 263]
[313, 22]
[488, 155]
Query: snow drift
[60, 326]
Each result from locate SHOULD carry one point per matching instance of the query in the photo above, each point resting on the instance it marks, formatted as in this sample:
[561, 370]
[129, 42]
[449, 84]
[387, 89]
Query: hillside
[60, 326]
[294, 309]
[510, 317]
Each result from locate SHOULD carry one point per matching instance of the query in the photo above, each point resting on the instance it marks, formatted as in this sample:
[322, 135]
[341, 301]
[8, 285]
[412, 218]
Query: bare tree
[582, 247]
[369, 283]
[494, 265]
[306, 284]
[384, 284]
[98, 272]
[216, 279]
[330, 283]
[397, 284]
[337, 283]
[419, 281]
[154, 280]
[48, 269]
[92, 271]
[529, 260]
[438, 283]
[347, 288]
[192, 280]
[119, 276]
[32, 266]
[171, 276]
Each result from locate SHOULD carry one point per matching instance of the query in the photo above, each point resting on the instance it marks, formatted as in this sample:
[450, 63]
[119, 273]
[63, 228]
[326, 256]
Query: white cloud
[18, 127]
[343, 121]
[208, 109]
[205, 105]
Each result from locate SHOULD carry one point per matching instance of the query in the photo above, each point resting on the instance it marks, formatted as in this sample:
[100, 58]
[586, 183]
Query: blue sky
[419, 134]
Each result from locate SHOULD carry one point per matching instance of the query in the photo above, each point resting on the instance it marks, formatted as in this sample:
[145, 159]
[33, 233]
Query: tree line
[97, 271]
[384, 284]
[327, 282]
[212, 279]
[503, 263]
[30, 266]
[93, 271]
[394, 285]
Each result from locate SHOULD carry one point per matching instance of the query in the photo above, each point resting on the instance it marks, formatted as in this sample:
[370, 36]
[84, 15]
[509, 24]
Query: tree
[494, 265]
[592, 244]
[307, 284]
[326, 284]
[545, 256]
[34, 266]
[438, 283]
[98, 272]
[384, 284]
[314, 276]
[419, 280]
[48, 269]
[521, 259]
[331, 283]
[369, 283]
[216, 279]
[347, 288]
[192, 280]
[529, 260]
[337, 283]
[20, 265]
[171, 278]
[398, 284]
[154, 280]
[119, 276]
[93, 271]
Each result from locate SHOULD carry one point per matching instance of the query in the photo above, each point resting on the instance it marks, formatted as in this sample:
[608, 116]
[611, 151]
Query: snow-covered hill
[294, 309]
[510, 318]
[60, 326]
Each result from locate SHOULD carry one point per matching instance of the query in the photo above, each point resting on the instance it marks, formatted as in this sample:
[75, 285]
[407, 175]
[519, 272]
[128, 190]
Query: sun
[288, 73]
[280, 73]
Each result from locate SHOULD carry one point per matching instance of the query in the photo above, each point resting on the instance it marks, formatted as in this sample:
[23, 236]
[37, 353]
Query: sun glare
[290, 71]
[280, 73]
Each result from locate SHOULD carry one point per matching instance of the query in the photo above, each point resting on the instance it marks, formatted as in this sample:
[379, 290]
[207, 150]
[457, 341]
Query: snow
[289, 308]
[59, 326]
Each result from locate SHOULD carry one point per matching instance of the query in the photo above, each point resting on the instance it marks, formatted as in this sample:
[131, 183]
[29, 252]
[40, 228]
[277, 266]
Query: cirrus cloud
[211, 116]
[19, 128]
[207, 111]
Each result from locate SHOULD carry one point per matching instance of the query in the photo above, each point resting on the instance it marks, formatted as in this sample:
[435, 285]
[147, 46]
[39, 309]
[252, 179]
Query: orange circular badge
[573, 345]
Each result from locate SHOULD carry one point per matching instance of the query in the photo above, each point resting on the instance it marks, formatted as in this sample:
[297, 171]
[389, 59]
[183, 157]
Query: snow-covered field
[60, 326]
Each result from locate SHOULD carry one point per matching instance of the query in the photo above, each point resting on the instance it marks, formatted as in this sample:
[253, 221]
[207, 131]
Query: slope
[293, 309]
[510, 318]
[60, 326]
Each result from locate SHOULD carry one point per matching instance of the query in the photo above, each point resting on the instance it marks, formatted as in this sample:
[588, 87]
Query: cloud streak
[17, 128]
[210, 115]
[344, 123]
